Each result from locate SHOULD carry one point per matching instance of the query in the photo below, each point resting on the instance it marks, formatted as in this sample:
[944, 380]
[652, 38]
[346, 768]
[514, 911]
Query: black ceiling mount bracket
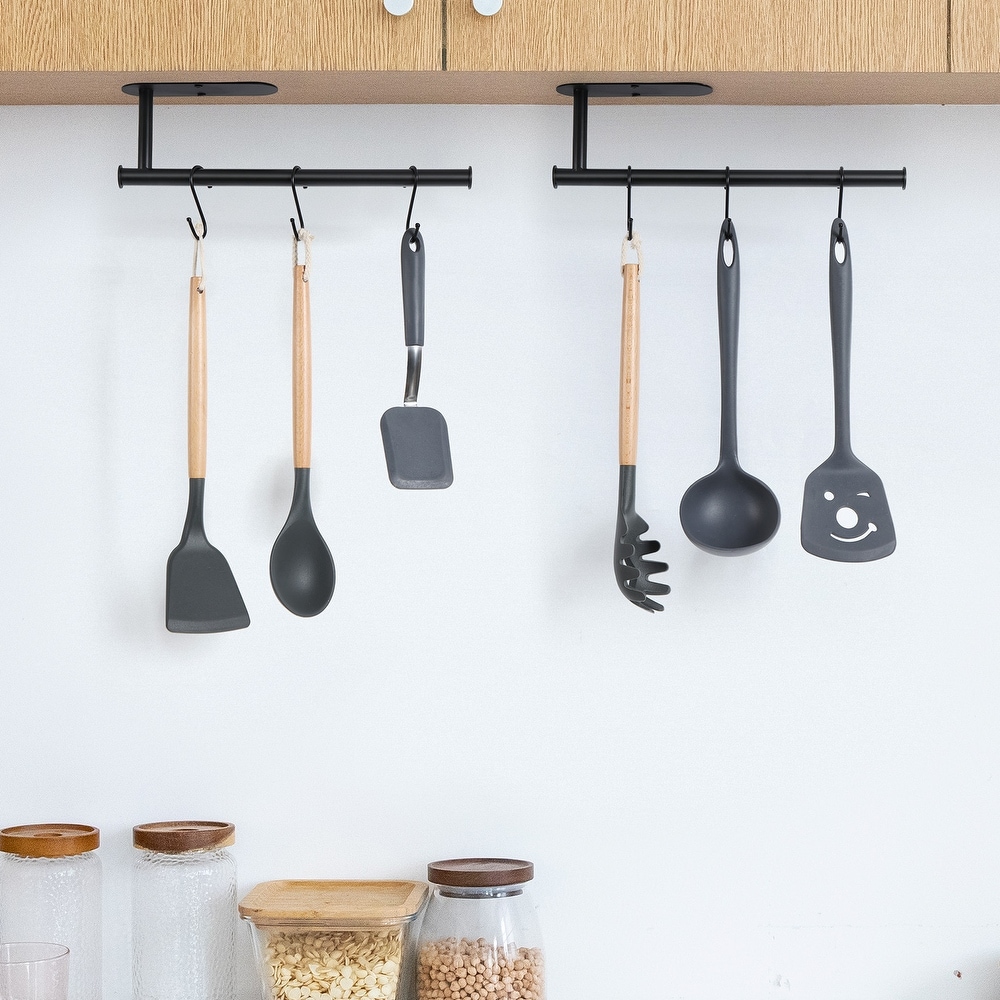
[580, 175]
[145, 175]
[146, 92]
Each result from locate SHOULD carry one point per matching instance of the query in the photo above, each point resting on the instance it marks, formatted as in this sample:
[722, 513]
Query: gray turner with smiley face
[845, 513]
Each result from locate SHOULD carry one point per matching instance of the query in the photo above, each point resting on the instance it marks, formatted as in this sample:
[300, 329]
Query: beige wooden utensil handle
[197, 382]
[301, 370]
[628, 400]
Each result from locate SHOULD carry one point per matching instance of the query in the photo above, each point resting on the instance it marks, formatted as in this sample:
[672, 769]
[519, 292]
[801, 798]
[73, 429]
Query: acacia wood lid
[480, 872]
[50, 840]
[347, 903]
[186, 835]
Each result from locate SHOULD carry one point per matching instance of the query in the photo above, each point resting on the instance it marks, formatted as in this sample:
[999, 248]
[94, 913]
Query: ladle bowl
[729, 512]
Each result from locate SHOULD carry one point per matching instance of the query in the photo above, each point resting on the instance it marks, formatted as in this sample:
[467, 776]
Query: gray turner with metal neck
[415, 438]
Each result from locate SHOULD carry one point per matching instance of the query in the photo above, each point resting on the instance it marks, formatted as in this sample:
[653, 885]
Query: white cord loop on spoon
[636, 245]
[198, 265]
[306, 237]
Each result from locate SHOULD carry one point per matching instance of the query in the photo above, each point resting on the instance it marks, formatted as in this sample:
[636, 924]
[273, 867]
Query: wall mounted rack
[145, 174]
[581, 175]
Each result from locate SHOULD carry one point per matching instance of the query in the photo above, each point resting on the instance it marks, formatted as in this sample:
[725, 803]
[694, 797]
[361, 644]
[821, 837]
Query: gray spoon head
[729, 512]
[302, 570]
[202, 595]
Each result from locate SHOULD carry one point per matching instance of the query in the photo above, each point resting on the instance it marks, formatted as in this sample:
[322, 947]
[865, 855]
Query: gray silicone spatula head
[202, 595]
[845, 512]
[415, 438]
[417, 453]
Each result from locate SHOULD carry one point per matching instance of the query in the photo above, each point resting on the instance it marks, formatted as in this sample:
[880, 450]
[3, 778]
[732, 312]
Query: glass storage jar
[183, 911]
[50, 890]
[335, 940]
[480, 936]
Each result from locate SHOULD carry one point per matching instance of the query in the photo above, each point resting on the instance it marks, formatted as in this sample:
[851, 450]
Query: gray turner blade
[202, 594]
[415, 438]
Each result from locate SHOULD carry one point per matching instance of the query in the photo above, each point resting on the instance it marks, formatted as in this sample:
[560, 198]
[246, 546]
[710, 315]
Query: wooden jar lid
[184, 836]
[480, 873]
[347, 903]
[50, 840]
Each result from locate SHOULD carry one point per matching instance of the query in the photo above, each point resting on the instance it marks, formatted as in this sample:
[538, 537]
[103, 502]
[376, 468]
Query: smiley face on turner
[848, 518]
[845, 514]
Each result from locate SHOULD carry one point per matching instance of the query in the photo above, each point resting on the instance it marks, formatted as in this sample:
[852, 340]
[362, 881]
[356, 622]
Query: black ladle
[302, 571]
[729, 512]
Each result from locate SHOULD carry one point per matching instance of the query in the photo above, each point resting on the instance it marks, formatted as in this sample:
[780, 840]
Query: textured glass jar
[480, 936]
[183, 912]
[50, 890]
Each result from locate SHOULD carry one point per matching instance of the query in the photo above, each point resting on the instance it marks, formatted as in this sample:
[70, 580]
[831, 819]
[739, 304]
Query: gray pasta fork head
[632, 568]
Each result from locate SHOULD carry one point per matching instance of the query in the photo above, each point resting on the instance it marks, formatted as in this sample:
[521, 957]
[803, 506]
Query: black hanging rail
[146, 175]
[207, 177]
[580, 175]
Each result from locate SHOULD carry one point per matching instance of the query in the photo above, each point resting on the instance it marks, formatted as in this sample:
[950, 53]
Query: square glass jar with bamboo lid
[335, 940]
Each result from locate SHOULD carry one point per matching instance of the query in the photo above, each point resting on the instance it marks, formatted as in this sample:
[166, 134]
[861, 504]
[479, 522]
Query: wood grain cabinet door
[975, 36]
[857, 36]
[201, 36]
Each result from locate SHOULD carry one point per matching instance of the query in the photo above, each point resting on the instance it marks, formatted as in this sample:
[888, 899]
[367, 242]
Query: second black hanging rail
[581, 175]
[145, 174]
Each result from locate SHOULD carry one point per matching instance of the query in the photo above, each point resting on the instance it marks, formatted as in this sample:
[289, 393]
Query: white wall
[782, 786]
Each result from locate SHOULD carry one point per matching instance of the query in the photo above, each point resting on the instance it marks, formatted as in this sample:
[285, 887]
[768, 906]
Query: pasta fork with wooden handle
[632, 568]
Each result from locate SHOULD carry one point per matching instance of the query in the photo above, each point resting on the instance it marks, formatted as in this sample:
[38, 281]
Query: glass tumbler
[34, 971]
[184, 913]
[480, 937]
[50, 891]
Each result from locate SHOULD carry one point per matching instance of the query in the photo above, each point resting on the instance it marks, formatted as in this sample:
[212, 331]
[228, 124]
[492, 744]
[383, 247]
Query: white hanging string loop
[305, 237]
[635, 244]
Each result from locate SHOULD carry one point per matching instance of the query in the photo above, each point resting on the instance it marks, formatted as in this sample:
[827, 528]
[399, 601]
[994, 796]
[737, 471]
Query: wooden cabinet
[354, 51]
[130, 40]
[975, 36]
[780, 36]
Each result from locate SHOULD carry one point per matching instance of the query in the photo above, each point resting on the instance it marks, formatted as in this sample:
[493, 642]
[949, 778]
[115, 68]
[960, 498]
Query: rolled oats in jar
[480, 939]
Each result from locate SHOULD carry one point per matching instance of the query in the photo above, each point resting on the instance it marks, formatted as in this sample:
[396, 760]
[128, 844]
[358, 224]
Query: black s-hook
[628, 203]
[201, 214]
[840, 203]
[413, 195]
[727, 221]
[298, 207]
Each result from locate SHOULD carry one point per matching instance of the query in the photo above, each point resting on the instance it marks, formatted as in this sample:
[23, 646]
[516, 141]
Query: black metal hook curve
[201, 214]
[628, 203]
[413, 195]
[840, 202]
[298, 207]
[727, 221]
